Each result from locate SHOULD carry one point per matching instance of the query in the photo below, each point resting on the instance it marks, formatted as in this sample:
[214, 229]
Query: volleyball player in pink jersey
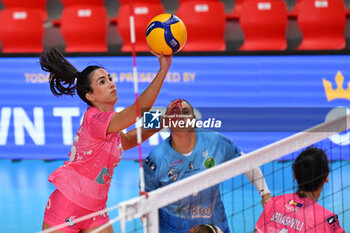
[82, 183]
[300, 212]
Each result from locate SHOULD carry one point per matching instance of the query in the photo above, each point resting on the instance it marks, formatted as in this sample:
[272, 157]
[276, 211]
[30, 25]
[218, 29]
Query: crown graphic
[339, 92]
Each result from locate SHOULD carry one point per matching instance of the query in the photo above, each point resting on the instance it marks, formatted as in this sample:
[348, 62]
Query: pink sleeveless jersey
[290, 213]
[86, 177]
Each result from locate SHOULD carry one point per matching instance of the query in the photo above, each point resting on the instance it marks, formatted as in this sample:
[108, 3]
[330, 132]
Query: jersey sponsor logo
[70, 221]
[292, 202]
[173, 174]
[191, 168]
[205, 153]
[290, 208]
[202, 212]
[333, 222]
[209, 162]
[176, 162]
[285, 220]
[103, 176]
[150, 164]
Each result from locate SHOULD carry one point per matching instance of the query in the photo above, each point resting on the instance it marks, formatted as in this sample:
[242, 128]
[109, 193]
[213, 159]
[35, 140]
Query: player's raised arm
[129, 139]
[256, 177]
[126, 118]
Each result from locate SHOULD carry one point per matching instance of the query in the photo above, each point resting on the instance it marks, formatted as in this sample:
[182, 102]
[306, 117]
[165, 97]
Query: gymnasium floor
[24, 190]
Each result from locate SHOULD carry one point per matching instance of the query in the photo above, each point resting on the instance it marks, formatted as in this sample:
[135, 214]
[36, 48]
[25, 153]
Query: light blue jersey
[164, 166]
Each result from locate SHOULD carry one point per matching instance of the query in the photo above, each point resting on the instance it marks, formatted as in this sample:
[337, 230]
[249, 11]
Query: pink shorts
[59, 210]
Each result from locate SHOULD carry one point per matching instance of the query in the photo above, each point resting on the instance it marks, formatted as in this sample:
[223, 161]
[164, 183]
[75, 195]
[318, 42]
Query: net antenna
[137, 125]
[138, 117]
[141, 206]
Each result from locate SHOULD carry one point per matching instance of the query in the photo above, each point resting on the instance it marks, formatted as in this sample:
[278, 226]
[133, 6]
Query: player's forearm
[149, 96]
[130, 138]
[256, 177]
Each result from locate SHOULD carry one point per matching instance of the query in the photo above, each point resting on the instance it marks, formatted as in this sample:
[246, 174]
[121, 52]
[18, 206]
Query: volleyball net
[241, 200]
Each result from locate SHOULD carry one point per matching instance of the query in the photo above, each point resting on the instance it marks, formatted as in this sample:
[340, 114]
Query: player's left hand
[265, 199]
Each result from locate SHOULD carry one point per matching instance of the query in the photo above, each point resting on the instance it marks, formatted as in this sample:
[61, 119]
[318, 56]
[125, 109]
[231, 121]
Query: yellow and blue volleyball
[166, 34]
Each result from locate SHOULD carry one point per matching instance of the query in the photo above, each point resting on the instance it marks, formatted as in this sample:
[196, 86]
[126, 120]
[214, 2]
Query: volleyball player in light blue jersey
[186, 152]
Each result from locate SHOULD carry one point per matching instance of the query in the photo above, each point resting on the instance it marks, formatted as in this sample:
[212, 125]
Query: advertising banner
[253, 100]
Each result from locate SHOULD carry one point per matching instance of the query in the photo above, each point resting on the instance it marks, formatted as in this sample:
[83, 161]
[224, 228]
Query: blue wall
[260, 99]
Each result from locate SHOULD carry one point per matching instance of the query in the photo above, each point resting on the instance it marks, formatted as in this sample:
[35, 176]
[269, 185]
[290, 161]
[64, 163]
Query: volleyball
[166, 34]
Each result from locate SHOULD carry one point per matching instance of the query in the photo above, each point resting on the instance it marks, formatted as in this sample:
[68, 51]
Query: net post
[121, 210]
[153, 220]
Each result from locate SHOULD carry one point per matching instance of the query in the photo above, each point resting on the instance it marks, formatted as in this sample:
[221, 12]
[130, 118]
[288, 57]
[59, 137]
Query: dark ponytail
[62, 72]
[64, 77]
[311, 169]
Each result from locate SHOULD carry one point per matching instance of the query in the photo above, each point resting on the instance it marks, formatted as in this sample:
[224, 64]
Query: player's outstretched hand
[164, 61]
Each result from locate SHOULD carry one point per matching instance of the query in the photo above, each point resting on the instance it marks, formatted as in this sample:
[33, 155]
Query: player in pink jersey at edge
[82, 183]
[300, 212]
